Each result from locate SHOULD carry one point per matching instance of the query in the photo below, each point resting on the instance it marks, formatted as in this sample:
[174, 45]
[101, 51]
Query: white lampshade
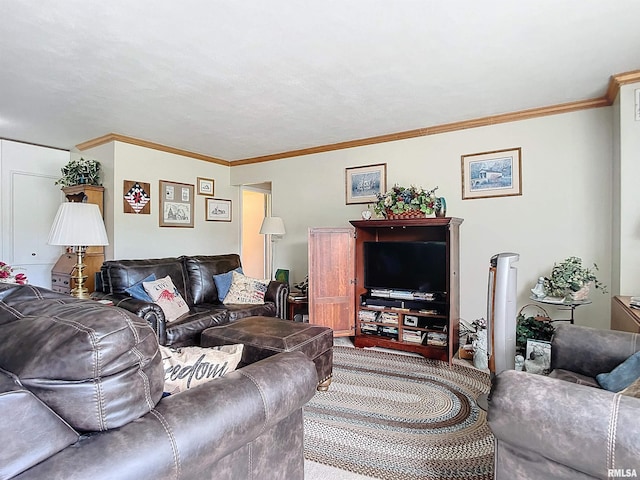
[78, 225]
[272, 226]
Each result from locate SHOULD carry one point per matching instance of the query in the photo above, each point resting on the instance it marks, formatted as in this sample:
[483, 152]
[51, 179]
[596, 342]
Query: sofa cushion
[164, 293]
[622, 376]
[116, 275]
[98, 367]
[187, 329]
[137, 289]
[246, 290]
[187, 367]
[200, 270]
[223, 282]
[35, 432]
[574, 377]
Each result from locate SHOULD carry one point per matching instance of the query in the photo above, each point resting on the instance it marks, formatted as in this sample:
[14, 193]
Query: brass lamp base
[80, 291]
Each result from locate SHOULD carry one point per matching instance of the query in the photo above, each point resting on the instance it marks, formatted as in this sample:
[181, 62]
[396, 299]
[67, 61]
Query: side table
[624, 317]
[297, 304]
[562, 305]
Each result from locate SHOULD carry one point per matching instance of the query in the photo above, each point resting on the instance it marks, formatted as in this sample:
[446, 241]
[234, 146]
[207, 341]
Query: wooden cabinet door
[331, 279]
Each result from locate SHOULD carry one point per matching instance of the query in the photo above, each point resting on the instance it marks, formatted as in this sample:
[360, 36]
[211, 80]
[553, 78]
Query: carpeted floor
[391, 416]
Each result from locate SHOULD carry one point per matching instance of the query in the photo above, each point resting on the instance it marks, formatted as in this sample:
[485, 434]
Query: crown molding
[616, 81]
[437, 129]
[116, 137]
[612, 92]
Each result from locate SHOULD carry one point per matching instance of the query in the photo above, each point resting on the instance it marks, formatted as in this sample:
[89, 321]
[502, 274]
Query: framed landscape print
[205, 186]
[176, 204]
[218, 210]
[492, 174]
[362, 184]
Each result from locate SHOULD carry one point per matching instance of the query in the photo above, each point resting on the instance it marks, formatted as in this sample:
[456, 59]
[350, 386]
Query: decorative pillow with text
[186, 367]
[164, 293]
[246, 290]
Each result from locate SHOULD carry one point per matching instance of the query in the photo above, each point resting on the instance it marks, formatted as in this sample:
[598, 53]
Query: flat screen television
[414, 266]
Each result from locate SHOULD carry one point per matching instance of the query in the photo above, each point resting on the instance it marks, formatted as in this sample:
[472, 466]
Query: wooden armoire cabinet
[61, 272]
[331, 276]
[338, 297]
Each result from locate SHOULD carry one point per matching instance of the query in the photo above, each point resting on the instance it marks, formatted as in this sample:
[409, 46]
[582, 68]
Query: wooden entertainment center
[425, 326]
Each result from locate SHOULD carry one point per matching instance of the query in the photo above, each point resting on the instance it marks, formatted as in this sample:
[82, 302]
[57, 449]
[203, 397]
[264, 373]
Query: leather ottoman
[266, 336]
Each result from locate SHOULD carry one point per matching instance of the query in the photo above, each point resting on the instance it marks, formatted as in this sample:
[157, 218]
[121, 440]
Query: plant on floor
[80, 172]
[533, 328]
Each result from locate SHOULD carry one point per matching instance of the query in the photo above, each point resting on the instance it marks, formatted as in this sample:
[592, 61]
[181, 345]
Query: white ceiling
[236, 79]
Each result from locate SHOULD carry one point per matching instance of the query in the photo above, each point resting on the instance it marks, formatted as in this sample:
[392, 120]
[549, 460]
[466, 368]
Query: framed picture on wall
[492, 174]
[176, 204]
[205, 186]
[362, 184]
[137, 197]
[218, 210]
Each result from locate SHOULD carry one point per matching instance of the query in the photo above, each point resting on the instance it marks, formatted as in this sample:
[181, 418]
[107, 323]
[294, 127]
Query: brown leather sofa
[565, 426]
[80, 397]
[193, 277]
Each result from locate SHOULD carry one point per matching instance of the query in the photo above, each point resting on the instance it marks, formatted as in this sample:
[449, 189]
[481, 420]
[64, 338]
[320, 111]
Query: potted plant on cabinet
[406, 202]
[80, 172]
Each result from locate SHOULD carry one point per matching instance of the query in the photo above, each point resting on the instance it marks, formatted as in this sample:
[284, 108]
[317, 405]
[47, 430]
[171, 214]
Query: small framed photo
[362, 184]
[538, 357]
[205, 186]
[176, 204]
[218, 210]
[492, 174]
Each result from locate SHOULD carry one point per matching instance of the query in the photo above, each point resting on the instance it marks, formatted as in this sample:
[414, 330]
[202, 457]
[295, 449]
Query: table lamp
[272, 226]
[78, 225]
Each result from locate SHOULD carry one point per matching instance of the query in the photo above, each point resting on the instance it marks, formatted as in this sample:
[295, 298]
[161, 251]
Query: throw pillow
[632, 390]
[622, 376]
[223, 282]
[166, 295]
[187, 367]
[137, 289]
[246, 290]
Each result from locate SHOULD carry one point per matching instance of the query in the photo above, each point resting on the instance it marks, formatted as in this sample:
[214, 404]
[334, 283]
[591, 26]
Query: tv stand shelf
[426, 327]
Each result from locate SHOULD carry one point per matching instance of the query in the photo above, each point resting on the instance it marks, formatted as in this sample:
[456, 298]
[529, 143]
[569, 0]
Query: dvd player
[401, 294]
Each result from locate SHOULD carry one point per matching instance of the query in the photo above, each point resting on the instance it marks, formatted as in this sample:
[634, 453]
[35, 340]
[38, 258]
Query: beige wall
[140, 236]
[565, 208]
[628, 209]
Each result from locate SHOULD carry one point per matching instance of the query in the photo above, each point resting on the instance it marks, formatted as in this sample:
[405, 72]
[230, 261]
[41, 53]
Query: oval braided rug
[392, 416]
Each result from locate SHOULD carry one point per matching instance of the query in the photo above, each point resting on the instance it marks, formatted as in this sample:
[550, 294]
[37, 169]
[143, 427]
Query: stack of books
[368, 316]
[634, 302]
[413, 336]
[390, 318]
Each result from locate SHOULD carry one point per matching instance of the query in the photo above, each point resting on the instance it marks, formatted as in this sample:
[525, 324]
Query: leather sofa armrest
[31, 431]
[277, 292]
[585, 428]
[590, 351]
[151, 312]
[187, 433]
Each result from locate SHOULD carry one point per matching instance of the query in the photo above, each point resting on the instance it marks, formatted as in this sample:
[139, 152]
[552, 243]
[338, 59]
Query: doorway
[254, 251]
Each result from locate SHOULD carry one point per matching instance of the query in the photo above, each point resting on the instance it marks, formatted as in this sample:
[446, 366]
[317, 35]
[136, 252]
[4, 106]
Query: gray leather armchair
[81, 388]
[564, 426]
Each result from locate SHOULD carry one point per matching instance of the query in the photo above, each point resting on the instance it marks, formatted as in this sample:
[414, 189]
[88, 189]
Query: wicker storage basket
[408, 214]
